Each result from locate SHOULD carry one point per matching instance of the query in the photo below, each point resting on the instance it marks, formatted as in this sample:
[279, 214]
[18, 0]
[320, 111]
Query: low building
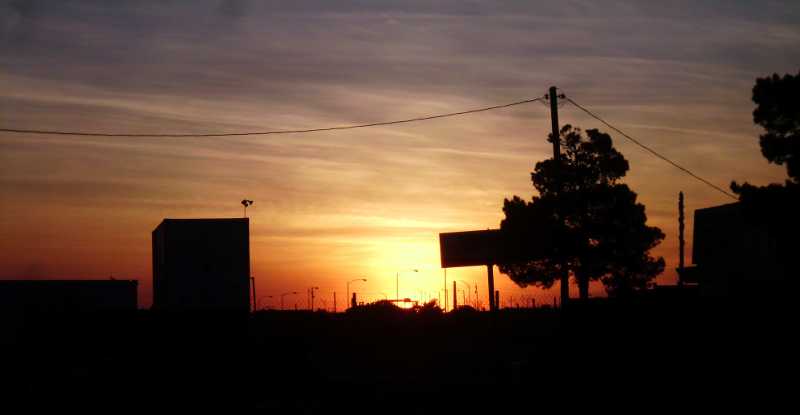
[732, 254]
[67, 295]
[201, 264]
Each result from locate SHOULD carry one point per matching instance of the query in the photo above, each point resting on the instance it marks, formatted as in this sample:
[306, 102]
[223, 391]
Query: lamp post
[246, 203]
[348, 288]
[397, 282]
[311, 293]
[262, 298]
[469, 289]
[424, 296]
[445, 288]
[285, 294]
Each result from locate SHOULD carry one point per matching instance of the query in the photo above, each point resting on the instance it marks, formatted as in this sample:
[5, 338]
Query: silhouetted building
[733, 255]
[201, 264]
[67, 295]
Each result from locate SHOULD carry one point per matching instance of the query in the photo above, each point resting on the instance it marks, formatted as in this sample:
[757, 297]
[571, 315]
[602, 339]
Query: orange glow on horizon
[337, 205]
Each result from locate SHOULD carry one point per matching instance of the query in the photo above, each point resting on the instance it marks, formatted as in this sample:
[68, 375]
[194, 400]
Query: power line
[650, 150]
[273, 132]
[374, 124]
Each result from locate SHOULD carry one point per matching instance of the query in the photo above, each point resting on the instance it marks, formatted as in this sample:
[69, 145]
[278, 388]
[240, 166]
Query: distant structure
[59, 296]
[246, 203]
[202, 264]
[486, 247]
[681, 240]
[733, 256]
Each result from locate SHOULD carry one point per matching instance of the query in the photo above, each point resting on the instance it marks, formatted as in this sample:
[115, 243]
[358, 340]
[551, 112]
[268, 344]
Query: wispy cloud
[677, 75]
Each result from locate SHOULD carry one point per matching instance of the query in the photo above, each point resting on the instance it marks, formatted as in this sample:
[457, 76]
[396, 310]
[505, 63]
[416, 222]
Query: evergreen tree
[592, 225]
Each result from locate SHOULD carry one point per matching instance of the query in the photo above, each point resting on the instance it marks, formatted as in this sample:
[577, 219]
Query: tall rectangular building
[202, 264]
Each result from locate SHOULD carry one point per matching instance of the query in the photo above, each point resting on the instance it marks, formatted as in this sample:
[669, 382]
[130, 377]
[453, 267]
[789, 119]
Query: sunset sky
[334, 206]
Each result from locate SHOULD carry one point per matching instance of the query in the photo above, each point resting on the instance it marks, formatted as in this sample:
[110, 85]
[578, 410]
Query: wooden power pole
[455, 296]
[553, 96]
[681, 241]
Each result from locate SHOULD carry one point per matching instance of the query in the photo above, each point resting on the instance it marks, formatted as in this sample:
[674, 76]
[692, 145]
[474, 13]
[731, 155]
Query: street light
[285, 294]
[246, 203]
[397, 282]
[311, 292]
[424, 296]
[348, 288]
[262, 298]
[469, 288]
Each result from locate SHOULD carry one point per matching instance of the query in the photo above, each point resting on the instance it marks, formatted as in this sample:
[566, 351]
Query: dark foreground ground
[685, 354]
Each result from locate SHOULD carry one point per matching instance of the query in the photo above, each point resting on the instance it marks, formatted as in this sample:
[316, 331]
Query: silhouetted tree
[431, 307]
[464, 309]
[595, 228]
[778, 112]
[776, 206]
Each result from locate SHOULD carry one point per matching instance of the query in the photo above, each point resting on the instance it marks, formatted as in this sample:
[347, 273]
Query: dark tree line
[777, 206]
[594, 228]
[777, 110]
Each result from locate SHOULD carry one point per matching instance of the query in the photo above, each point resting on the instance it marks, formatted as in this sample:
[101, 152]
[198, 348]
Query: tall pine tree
[595, 227]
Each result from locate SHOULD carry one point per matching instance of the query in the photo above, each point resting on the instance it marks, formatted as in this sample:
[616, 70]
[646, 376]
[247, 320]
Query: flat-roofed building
[68, 295]
[734, 255]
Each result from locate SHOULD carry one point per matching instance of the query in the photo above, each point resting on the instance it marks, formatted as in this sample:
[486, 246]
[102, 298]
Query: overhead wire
[269, 132]
[373, 124]
[650, 150]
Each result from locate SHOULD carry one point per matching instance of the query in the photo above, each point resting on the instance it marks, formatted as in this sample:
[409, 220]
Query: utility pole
[334, 302]
[253, 284]
[555, 137]
[311, 297]
[492, 302]
[681, 241]
[455, 296]
[445, 289]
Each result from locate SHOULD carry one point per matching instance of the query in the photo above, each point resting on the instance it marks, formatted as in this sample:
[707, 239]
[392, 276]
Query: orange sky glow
[335, 206]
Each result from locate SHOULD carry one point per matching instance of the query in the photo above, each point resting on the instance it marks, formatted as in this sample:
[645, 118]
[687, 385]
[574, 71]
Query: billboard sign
[491, 246]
